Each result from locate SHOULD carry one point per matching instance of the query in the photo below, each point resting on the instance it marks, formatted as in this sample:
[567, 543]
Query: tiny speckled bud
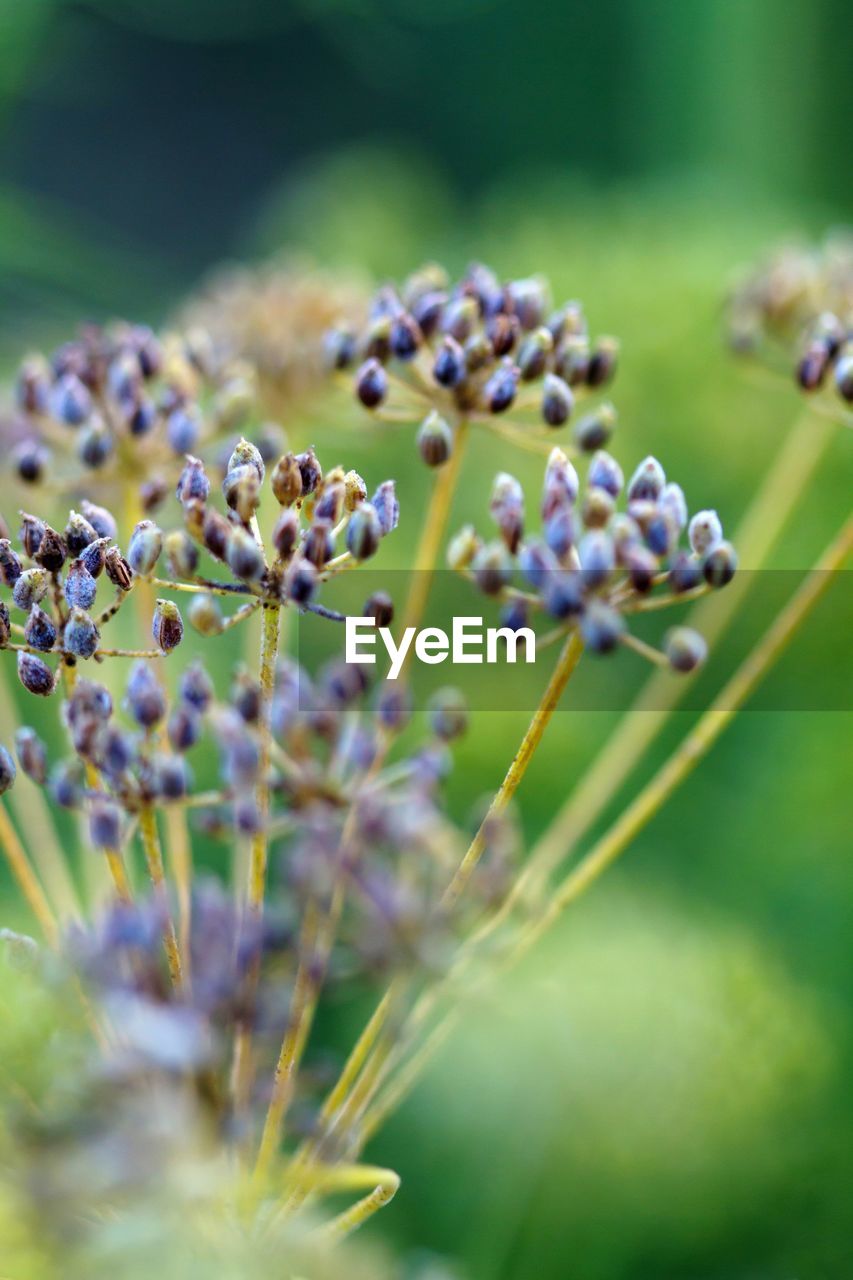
[605, 473]
[30, 588]
[241, 489]
[79, 533]
[557, 400]
[35, 675]
[143, 552]
[449, 366]
[448, 714]
[499, 392]
[70, 400]
[435, 440]
[193, 482]
[183, 428]
[705, 531]
[117, 569]
[381, 607]
[364, 532]
[601, 627]
[80, 587]
[80, 636]
[319, 544]
[32, 754]
[286, 480]
[31, 533]
[371, 384]
[196, 687]
[205, 615]
[5, 625]
[167, 625]
[40, 631]
[720, 565]
[355, 490]
[10, 564]
[244, 556]
[330, 504]
[51, 551]
[672, 503]
[595, 429]
[564, 595]
[144, 697]
[101, 520]
[492, 568]
[8, 772]
[181, 554]
[105, 824]
[463, 548]
[386, 506]
[685, 649]
[247, 454]
[537, 562]
[647, 482]
[216, 532]
[685, 573]
[507, 509]
[285, 534]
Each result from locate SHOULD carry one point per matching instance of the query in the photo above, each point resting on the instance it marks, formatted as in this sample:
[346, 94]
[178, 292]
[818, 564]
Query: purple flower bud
[435, 440]
[184, 728]
[492, 568]
[300, 580]
[183, 428]
[30, 588]
[66, 785]
[142, 417]
[338, 348]
[32, 754]
[244, 556]
[685, 573]
[595, 429]
[80, 636]
[193, 481]
[101, 520]
[35, 675]
[5, 625]
[381, 607]
[10, 564]
[145, 699]
[560, 532]
[557, 400]
[448, 714]
[602, 627]
[449, 365]
[30, 460]
[310, 471]
[105, 824]
[720, 565]
[196, 687]
[71, 402]
[143, 552]
[171, 777]
[602, 362]
[39, 630]
[51, 551]
[364, 532]
[80, 587]
[605, 473]
[386, 506]
[216, 531]
[705, 531]
[499, 391]
[319, 545]
[597, 557]
[685, 649]
[371, 386]
[285, 534]
[95, 444]
[536, 563]
[79, 533]
[564, 595]
[8, 772]
[405, 337]
[647, 482]
[533, 354]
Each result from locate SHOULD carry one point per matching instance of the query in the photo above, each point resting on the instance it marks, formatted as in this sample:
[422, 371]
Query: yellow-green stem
[27, 879]
[154, 861]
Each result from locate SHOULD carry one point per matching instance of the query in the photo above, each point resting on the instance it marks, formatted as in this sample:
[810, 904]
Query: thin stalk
[786, 479]
[384, 1184]
[181, 859]
[154, 862]
[562, 673]
[27, 879]
[118, 872]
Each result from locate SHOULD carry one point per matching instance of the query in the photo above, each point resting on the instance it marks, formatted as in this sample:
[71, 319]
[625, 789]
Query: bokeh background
[662, 1091]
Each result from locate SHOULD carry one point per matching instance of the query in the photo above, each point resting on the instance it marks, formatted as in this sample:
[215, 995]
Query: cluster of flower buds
[594, 564]
[275, 315]
[438, 351]
[114, 388]
[802, 301]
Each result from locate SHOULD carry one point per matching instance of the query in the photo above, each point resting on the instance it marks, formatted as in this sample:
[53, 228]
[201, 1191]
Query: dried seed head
[167, 625]
[216, 533]
[10, 564]
[286, 480]
[285, 534]
[435, 440]
[310, 471]
[117, 569]
[247, 454]
[51, 551]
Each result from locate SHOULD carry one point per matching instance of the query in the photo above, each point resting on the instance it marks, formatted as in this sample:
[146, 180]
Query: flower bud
[8, 772]
[720, 565]
[204, 615]
[310, 471]
[597, 557]
[564, 595]
[642, 566]
[300, 580]
[605, 473]
[246, 454]
[141, 419]
[449, 365]
[66, 785]
[405, 337]
[216, 533]
[448, 714]
[167, 625]
[79, 534]
[507, 509]
[39, 630]
[143, 552]
[533, 354]
[244, 556]
[386, 506]
[35, 675]
[71, 402]
[647, 482]
[685, 648]
[527, 301]
[32, 390]
[30, 460]
[381, 607]
[537, 562]
[196, 687]
[181, 554]
[171, 777]
[499, 391]
[193, 481]
[30, 588]
[105, 824]
[393, 705]
[672, 503]
[285, 534]
[80, 636]
[812, 367]
[364, 532]
[144, 697]
[377, 345]
[319, 545]
[80, 587]
[492, 568]
[462, 548]
[435, 440]
[557, 400]
[184, 728]
[95, 444]
[117, 569]
[602, 627]
[32, 754]
[844, 377]
[5, 625]
[428, 310]
[371, 385]
[598, 508]
[705, 531]
[31, 533]
[286, 480]
[478, 352]
[183, 428]
[339, 348]
[101, 520]
[602, 362]
[10, 564]
[51, 551]
[460, 317]
[685, 573]
[593, 431]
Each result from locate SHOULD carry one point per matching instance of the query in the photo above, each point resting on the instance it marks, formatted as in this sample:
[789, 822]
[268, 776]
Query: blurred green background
[662, 1092]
